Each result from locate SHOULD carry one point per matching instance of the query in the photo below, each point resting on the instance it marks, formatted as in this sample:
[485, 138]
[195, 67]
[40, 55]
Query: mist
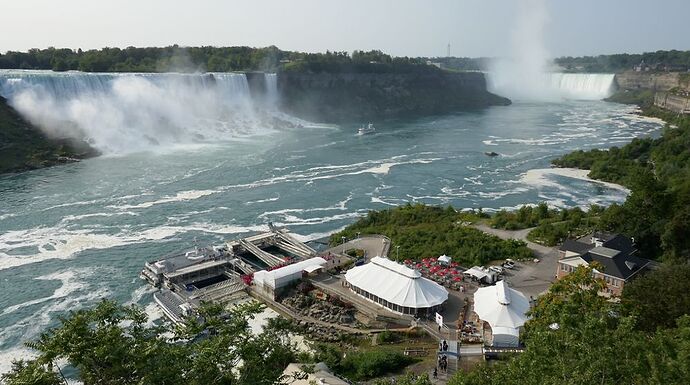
[528, 72]
[137, 112]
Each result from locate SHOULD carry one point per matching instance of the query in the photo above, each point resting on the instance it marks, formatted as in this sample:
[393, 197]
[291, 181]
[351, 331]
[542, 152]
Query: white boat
[366, 130]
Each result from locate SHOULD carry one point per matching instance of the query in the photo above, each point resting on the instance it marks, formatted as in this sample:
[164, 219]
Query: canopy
[444, 259]
[476, 272]
[501, 306]
[397, 284]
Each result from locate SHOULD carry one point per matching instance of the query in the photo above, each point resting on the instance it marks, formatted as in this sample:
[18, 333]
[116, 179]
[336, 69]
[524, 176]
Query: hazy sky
[401, 27]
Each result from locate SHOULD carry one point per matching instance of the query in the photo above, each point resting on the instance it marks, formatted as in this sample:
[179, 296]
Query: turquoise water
[73, 234]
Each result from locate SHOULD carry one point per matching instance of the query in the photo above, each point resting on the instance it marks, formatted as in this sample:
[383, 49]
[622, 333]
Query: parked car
[508, 264]
[497, 269]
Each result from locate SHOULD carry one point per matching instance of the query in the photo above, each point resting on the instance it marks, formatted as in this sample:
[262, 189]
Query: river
[74, 234]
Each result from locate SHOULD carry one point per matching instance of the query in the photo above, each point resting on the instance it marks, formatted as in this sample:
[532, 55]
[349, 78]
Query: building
[274, 281]
[321, 375]
[505, 310]
[615, 252]
[396, 287]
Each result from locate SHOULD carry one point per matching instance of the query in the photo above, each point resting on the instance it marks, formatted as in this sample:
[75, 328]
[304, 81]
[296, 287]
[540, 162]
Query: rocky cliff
[357, 97]
[25, 147]
[655, 81]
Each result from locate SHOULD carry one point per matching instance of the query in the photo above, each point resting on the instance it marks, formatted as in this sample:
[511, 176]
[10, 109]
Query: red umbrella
[425, 260]
[408, 261]
[455, 272]
[457, 278]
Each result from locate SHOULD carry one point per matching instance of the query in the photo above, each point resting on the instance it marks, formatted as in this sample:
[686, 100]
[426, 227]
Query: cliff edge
[356, 97]
[25, 147]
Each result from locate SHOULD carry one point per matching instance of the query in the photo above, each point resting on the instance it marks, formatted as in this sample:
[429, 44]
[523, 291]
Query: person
[439, 328]
[435, 373]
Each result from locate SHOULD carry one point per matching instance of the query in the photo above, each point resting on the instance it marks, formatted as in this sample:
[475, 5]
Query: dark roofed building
[616, 253]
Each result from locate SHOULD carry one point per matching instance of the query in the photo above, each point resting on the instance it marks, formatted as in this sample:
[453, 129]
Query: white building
[505, 310]
[396, 287]
[272, 281]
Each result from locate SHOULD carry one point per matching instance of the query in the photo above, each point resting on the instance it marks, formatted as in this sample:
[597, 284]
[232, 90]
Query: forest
[672, 60]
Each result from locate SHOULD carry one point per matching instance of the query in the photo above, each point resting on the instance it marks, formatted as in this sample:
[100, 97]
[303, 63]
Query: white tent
[503, 308]
[444, 259]
[505, 337]
[396, 284]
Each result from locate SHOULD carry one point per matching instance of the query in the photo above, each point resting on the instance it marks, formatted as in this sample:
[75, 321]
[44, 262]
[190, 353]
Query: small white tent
[505, 310]
[444, 259]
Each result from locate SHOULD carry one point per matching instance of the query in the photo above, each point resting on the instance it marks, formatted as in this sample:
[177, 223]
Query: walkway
[531, 278]
[373, 245]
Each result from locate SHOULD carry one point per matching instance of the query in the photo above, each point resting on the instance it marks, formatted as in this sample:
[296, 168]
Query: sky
[402, 27]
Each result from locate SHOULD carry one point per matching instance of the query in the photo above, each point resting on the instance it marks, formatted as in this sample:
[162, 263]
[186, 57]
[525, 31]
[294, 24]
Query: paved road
[530, 278]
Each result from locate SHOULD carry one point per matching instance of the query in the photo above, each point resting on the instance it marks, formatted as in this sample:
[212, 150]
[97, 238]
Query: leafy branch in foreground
[113, 344]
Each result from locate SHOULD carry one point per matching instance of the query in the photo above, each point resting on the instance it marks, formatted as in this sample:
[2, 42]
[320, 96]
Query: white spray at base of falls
[527, 72]
[121, 113]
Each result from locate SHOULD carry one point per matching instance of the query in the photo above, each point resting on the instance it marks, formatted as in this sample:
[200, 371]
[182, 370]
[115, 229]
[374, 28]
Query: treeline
[428, 231]
[149, 59]
[656, 61]
[213, 59]
[359, 62]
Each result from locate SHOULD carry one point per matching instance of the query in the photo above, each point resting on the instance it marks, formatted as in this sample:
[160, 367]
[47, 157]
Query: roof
[476, 272]
[444, 258]
[617, 254]
[272, 276]
[396, 283]
[575, 246]
[623, 265]
[501, 306]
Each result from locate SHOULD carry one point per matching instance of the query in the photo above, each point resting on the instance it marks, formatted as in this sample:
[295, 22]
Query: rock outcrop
[24, 147]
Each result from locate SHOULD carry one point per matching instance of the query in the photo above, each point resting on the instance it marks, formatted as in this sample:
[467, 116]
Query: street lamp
[343, 238]
[397, 252]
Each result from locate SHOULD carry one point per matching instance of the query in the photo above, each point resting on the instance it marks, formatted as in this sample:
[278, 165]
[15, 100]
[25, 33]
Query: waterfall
[582, 86]
[550, 86]
[271, 81]
[118, 113]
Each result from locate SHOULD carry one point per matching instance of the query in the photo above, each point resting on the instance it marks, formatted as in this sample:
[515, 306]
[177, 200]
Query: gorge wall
[664, 81]
[358, 97]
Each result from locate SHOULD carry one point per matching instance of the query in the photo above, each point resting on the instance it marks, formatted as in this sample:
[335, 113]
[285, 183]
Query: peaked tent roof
[501, 306]
[396, 283]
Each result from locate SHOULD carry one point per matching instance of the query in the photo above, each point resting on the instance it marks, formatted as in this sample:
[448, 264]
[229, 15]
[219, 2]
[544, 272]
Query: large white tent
[505, 310]
[396, 286]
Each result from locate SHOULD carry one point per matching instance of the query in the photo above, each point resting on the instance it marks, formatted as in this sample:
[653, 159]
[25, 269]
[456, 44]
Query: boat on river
[366, 129]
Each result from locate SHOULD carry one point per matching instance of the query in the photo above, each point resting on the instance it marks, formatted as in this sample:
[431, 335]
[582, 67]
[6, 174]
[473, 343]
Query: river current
[74, 234]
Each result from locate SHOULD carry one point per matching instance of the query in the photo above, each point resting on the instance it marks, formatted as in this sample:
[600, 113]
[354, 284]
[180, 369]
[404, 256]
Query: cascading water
[119, 113]
[552, 86]
[582, 86]
[271, 89]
